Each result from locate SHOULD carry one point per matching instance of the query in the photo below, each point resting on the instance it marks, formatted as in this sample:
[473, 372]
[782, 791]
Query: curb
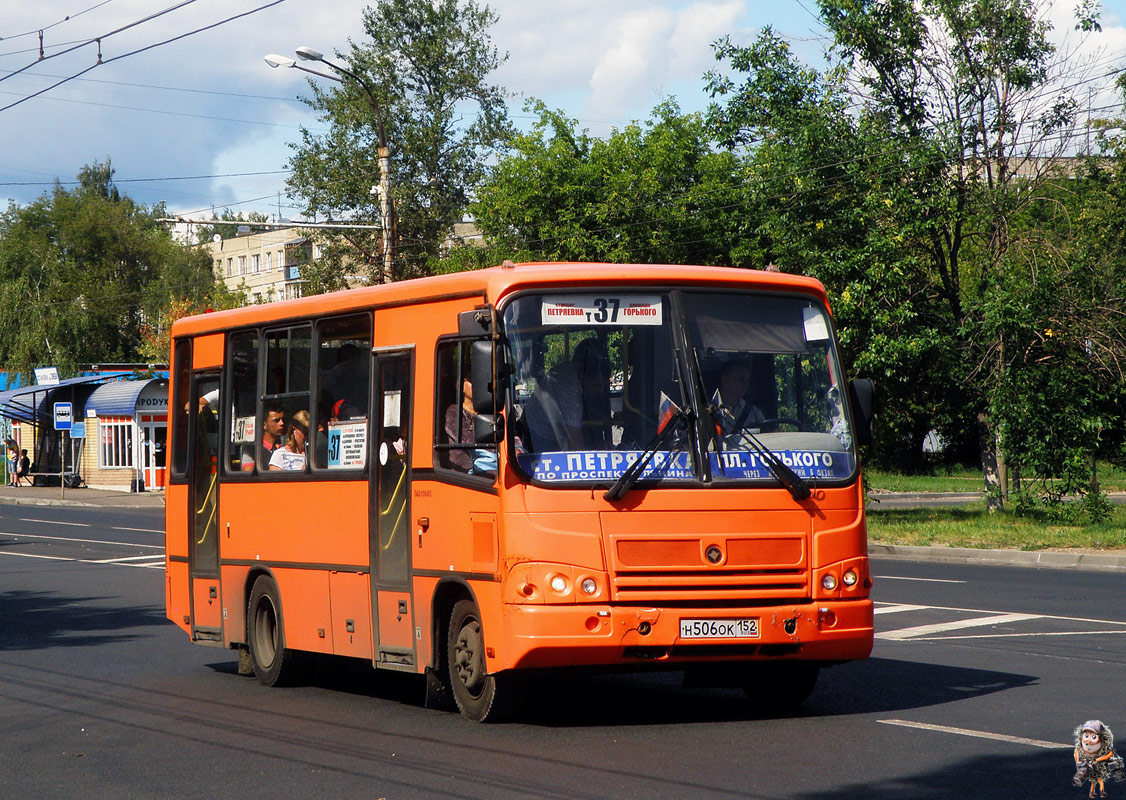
[1109, 562]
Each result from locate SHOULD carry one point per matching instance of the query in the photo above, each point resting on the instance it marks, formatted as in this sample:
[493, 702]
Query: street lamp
[309, 54]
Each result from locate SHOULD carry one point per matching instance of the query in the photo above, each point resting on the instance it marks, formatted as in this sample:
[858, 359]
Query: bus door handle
[423, 526]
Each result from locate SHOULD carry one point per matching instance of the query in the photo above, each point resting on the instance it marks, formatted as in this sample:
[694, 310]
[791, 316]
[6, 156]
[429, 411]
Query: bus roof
[492, 285]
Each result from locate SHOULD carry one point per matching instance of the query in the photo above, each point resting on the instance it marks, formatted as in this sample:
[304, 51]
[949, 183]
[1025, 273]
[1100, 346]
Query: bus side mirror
[487, 399]
[478, 322]
[862, 397]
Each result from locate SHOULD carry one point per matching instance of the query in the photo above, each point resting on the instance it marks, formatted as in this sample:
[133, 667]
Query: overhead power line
[139, 50]
[152, 180]
[290, 224]
[99, 39]
[67, 18]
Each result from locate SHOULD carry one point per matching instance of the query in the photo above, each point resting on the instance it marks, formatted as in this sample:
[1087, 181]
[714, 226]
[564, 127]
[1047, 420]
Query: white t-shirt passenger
[285, 459]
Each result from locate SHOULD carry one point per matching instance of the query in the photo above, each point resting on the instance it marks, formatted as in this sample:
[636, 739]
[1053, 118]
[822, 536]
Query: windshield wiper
[629, 477]
[793, 483]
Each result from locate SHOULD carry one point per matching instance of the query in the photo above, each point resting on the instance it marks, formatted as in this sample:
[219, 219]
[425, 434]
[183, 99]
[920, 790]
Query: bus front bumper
[545, 636]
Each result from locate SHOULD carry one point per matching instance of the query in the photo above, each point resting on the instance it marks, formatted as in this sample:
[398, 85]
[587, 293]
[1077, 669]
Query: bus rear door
[203, 511]
[390, 487]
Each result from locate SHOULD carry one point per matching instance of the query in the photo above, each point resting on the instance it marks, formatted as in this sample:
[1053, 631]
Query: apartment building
[266, 266]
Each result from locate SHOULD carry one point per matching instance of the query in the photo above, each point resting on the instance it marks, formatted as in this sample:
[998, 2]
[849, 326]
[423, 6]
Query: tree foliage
[939, 132]
[83, 271]
[652, 193]
[426, 64]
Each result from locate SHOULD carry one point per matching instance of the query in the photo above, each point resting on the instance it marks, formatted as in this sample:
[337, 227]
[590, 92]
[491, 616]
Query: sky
[203, 123]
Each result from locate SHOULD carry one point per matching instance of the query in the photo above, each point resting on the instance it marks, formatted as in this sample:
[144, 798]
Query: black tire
[780, 686]
[274, 664]
[479, 696]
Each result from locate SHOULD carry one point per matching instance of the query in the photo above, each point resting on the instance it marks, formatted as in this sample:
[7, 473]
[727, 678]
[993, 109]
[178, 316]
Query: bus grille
[677, 570]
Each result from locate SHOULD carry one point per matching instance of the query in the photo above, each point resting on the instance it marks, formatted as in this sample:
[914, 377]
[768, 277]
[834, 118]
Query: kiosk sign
[64, 415]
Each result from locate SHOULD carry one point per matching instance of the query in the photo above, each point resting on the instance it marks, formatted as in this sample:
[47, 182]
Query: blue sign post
[64, 416]
[64, 420]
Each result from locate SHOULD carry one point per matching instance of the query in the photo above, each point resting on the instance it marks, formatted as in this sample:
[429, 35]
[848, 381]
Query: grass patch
[963, 479]
[956, 479]
[973, 526]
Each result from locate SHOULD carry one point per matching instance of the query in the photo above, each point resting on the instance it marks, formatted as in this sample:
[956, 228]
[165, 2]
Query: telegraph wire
[157, 110]
[151, 180]
[98, 39]
[240, 95]
[142, 49]
[67, 18]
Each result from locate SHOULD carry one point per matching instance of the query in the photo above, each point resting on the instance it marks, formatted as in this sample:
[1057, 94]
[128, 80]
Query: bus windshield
[598, 378]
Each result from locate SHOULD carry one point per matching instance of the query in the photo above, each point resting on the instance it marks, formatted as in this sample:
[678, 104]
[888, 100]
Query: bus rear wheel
[480, 697]
[274, 664]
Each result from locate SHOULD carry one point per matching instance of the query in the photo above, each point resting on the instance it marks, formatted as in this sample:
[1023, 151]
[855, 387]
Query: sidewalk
[91, 498]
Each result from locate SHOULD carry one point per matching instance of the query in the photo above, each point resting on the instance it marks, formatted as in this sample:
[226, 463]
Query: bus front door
[389, 532]
[203, 510]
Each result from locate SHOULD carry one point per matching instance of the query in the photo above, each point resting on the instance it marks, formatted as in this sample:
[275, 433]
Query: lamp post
[309, 54]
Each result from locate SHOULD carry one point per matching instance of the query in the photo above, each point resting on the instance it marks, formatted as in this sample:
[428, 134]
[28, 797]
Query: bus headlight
[589, 586]
[849, 578]
[829, 582]
[558, 584]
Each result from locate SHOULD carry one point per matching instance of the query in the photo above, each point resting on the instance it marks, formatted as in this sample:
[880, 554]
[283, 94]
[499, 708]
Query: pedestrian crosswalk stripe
[953, 625]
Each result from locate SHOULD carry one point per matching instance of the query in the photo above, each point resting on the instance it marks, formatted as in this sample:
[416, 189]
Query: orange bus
[480, 476]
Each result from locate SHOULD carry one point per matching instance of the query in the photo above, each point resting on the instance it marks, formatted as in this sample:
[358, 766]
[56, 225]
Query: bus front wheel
[480, 697]
[274, 664]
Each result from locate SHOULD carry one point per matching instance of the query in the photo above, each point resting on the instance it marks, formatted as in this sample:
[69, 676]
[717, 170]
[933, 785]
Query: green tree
[649, 193]
[81, 271]
[426, 64]
[959, 108]
[979, 84]
[828, 199]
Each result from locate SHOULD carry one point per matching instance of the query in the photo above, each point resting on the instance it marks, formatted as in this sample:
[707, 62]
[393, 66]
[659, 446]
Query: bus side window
[338, 436]
[455, 422]
[178, 416]
[243, 382]
[288, 366]
[455, 445]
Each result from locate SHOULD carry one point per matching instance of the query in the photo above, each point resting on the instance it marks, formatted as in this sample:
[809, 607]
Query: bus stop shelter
[34, 406]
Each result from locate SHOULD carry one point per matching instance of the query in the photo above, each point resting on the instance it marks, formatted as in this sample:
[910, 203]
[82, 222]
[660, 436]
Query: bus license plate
[746, 628]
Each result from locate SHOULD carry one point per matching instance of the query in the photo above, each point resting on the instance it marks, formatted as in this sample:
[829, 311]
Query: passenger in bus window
[571, 410]
[273, 429]
[291, 456]
[459, 427]
[478, 461]
[734, 412]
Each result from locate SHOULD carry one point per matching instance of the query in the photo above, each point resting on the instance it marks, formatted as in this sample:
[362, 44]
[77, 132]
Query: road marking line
[34, 555]
[1042, 616]
[903, 578]
[80, 541]
[895, 609]
[54, 522]
[136, 530]
[111, 562]
[121, 560]
[940, 627]
[1012, 635]
[1000, 737]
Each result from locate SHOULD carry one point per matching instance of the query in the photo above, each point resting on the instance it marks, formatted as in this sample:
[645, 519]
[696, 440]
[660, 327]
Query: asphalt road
[979, 675]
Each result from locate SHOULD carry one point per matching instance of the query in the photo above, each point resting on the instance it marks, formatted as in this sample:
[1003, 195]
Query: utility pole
[385, 209]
